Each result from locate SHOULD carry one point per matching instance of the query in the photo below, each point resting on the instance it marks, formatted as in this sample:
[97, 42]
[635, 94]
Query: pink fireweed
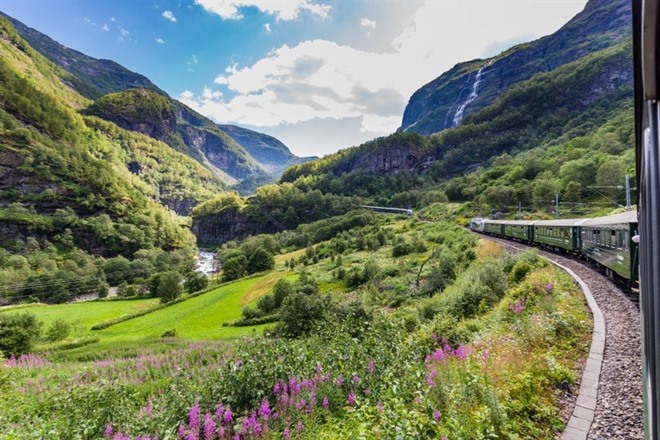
[351, 399]
[209, 427]
[194, 419]
[549, 288]
[356, 380]
[371, 367]
[436, 415]
[325, 403]
[108, 430]
[379, 407]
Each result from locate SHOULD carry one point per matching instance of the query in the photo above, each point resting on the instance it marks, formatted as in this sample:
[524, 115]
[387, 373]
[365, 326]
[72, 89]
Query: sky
[318, 75]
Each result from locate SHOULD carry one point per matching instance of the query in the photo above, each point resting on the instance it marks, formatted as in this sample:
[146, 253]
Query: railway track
[619, 403]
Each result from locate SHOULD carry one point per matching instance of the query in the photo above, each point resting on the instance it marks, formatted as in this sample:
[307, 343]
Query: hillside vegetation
[427, 333]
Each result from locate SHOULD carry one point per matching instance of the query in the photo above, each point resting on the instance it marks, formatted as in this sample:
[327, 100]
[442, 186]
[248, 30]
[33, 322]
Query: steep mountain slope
[133, 102]
[89, 76]
[267, 150]
[61, 171]
[572, 100]
[473, 85]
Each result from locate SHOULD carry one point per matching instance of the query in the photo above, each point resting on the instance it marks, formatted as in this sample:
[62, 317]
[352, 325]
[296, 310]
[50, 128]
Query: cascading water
[458, 117]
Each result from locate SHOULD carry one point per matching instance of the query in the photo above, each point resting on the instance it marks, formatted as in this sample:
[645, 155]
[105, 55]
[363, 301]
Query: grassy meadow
[398, 328]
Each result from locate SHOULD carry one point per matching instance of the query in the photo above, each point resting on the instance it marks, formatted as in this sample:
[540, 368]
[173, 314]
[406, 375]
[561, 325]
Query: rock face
[216, 229]
[433, 107]
[270, 152]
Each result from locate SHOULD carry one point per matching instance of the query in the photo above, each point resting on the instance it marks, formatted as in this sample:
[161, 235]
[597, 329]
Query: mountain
[61, 171]
[474, 85]
[270, 152]
[133, 102]
[579, 81]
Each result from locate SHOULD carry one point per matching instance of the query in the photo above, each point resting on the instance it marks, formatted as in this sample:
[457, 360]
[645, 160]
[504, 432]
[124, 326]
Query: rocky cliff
[440, 104]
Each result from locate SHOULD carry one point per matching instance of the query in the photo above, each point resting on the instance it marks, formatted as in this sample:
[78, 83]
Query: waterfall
[471, 97]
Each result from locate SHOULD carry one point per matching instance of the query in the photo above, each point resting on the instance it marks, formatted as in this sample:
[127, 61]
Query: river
[206, 262]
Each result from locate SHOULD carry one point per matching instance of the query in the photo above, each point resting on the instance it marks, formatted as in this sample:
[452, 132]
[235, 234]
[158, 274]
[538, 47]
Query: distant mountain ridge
[133, 102]
[433, 108]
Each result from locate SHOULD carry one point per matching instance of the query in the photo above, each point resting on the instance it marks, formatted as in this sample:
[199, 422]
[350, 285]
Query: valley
[253, 296]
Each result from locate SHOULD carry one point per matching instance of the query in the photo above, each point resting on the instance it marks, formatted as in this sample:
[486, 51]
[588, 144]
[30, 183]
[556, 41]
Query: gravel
[619, 408]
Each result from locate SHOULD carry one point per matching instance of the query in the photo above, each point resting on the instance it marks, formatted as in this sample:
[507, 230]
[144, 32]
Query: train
[611, 242]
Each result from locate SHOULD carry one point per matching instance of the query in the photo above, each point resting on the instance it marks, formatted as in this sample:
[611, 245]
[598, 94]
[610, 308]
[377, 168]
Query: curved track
[619, 404]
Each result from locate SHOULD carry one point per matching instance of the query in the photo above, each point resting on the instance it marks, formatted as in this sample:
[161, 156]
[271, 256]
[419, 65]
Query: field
[399, 326]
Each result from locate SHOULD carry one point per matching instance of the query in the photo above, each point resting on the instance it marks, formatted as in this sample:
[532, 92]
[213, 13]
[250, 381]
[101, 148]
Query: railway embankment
[612, 406]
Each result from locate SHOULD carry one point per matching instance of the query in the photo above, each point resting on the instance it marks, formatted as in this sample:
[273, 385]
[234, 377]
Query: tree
[166, 285]
[610, 174]
[299, 313]
[544, 190]
[18, 332]
[572, 192]
[196, 281]
[58, 330]
[234, 267]
[260, 260]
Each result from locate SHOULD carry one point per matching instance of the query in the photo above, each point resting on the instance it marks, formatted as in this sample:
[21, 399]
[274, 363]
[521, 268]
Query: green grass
[84, 314]
[200, 317]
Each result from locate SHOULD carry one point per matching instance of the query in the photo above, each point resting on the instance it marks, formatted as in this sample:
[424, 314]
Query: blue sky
[319, 75]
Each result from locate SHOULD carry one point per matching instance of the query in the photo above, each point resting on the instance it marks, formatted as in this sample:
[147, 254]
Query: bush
[234, 267]
[260, 261]
[196, 281]
[58, 331]
[166, 285]
[300, 312]
[519, 271]
[103, 290]
[169, 334]
[18, 333]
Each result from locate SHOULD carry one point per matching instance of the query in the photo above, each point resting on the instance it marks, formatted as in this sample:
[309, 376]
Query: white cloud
[105, 27]
[267, 28]
[113, 19]
[282, 10]
[124, 33]
[365, 22]
[160, 41]
[194, 59]
[168, 15]
[322, 80]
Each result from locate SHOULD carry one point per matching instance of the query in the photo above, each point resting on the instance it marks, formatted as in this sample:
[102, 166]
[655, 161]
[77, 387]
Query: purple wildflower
[351, 399]
[108, 430]
[340, 380]
[194, 419]
[264, 410]
[227, 416]
[549, 287]
[286, 434]
[300, 426]
[181, 432]
[356, 380]
[325, 403]
[461, 352]
[219, 411]
[277, 388]
[436, 415]
[510, 307]
[434, 337]
[379, 407]
[519, 306]
[370, 366]
[485, 354]
[209, 427]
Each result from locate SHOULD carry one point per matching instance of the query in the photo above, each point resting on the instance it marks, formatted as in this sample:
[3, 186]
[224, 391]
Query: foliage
[18, 333]
[166, 285]
[58, 330]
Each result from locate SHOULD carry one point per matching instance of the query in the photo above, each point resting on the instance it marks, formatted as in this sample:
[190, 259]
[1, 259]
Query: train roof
[519, 222]
[622, 217]
[561, 222]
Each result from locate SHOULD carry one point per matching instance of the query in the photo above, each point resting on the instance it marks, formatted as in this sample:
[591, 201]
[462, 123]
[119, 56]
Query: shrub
[234, 267]
[260, 260]
[300, 312]
[58, 331]
[195, 281]
[519, 271]
[166, 285]
[103, 290]
[18, 333]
